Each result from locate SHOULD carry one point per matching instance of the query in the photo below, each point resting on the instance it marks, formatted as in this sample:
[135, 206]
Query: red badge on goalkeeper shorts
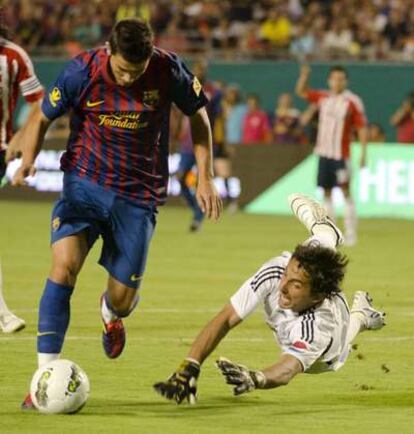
[300, 345]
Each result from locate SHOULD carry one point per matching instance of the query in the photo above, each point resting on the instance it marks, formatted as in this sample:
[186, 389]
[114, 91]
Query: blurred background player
[222, 162]
[181, 134]
[376, 133]
[256, 126]
[304, 306]
[287, 126]
[403, 120]
[16, 75]
[234, 110]
[115, 172]
[341, 112]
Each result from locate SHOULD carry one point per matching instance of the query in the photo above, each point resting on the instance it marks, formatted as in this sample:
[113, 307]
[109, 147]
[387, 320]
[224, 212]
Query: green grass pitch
[188, 278]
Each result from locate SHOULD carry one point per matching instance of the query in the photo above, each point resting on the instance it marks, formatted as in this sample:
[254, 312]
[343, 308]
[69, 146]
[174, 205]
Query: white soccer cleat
[10, 323]
[373, 319]
[314, 216]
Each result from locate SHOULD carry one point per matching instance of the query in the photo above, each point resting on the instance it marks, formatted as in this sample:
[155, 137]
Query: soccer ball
[60, 386]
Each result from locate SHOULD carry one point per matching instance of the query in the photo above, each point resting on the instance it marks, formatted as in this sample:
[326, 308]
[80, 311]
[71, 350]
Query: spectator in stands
[223, 36]
[303, 43]
[52, 33]
[338, 39]
[250, 43]
[256, 126]
[277, 28]
[408, 46]
[133, 9]
[376, 133]
[287, 128]
[234, 110]
[369, 29]
[397, 28]
[403, 120]
[86, 30]
[173, 38]
[28, 27]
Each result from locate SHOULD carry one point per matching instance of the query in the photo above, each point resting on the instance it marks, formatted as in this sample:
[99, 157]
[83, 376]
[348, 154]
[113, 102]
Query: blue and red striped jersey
[119, 135]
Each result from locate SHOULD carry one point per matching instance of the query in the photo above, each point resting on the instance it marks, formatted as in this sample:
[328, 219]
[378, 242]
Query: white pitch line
[177, 311]
[190, 339]
[150, 310]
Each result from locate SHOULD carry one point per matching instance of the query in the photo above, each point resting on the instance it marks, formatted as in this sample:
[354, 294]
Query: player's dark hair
[132, 38]
[325, 268]
[338, 68]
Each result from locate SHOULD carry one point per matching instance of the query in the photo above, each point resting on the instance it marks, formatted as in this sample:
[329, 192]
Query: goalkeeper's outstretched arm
[213, 333]
[181, 385]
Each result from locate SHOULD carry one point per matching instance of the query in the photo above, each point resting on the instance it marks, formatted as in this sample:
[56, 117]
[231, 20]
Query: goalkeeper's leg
[314, 217]
[363, 316]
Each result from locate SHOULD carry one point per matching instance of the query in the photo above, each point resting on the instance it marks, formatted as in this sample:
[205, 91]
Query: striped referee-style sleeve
[258, 287]
[268, 275]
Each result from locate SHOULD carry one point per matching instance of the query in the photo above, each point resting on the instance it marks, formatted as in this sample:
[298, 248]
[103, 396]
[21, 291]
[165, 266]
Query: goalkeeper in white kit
[304, 306]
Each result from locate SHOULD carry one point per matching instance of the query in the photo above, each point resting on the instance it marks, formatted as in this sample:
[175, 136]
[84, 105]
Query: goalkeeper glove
[182, 384]
[240, 376]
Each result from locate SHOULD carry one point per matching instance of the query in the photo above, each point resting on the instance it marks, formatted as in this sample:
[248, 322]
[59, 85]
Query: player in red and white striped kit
[16, 75]
[341, 113]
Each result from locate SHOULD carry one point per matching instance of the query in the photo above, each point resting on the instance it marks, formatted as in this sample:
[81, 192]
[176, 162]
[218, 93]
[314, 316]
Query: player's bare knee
[64, 273]
[124, 307]
[123, 299]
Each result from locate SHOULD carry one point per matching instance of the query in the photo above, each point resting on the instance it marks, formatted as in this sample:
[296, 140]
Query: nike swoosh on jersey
[94, 103]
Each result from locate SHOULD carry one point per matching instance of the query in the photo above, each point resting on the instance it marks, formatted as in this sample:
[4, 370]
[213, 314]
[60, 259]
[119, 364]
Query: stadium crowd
[354, 29]
[298, 29]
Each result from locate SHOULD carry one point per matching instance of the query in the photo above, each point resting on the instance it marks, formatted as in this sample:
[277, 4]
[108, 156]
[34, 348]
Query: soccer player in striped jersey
[341, 113]
[16, 76]
[304, 306]
[115, 171]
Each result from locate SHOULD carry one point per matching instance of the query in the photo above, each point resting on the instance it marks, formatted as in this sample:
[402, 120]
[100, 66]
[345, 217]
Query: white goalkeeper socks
[324, 239]
[356, 325]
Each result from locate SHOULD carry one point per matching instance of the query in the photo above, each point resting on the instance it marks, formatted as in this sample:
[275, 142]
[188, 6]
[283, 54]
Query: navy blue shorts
[126, 228]
[333, 173]
[187, 161]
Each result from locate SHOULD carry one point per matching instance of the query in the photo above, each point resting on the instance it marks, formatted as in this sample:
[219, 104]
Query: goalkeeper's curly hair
[325, 267]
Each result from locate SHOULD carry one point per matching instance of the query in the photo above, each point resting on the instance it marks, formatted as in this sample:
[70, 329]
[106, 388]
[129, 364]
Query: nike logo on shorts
[135, 278]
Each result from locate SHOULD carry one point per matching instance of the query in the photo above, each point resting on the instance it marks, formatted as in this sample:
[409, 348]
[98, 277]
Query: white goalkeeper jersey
[317, 337]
